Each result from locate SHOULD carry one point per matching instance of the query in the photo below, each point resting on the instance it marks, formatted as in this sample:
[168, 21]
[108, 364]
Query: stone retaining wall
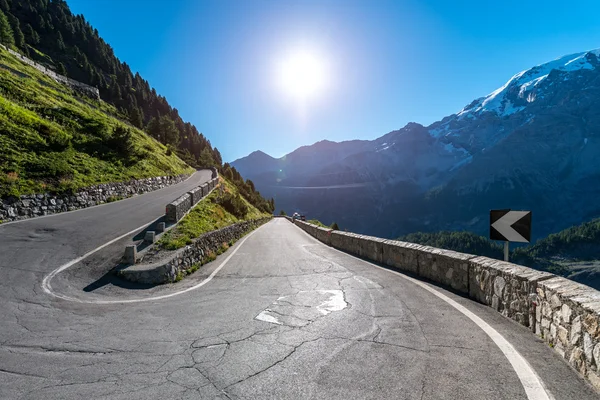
[35, 205]
[168, 268]
[564, 313]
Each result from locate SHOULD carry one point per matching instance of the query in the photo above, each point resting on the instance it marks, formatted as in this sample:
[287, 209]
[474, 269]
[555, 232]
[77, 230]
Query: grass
[208, 215]
[55, 140]
[317, 223]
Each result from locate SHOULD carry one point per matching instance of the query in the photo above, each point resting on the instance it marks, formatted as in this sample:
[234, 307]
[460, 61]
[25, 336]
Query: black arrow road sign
[510, 226]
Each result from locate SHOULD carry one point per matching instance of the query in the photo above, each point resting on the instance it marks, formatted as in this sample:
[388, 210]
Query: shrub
[233, 204]
[335, 226]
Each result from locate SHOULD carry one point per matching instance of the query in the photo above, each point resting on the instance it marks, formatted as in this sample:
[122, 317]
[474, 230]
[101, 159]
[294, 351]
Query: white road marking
[532, 383]
[335, 302]
[48, 289]
[265, 316]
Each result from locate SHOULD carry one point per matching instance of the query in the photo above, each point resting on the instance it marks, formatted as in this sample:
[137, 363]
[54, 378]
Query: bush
[233, 204]
[335, 226]
[282, 213]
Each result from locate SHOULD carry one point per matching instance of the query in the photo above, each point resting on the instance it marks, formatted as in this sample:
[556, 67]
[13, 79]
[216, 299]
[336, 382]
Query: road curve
[284, 317]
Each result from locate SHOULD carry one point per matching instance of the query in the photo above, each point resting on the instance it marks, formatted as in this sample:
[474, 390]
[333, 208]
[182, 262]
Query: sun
[302, 75]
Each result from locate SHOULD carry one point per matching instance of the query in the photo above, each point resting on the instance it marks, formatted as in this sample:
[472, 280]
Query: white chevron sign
[510, 226]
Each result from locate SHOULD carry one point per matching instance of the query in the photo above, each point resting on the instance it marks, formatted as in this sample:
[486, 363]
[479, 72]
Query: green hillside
[559, 251]
[463, 242]
[213, 212]
[52, 139]
[555, 253]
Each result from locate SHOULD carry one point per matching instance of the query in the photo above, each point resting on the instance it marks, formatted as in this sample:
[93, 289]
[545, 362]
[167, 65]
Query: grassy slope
[54, 140]
[207, 216]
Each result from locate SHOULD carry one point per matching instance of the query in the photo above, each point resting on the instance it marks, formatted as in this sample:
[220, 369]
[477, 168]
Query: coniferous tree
[60, 43]
[17, 33]
[136, 118]
[31, 36]
[61, 70]
[6, 33]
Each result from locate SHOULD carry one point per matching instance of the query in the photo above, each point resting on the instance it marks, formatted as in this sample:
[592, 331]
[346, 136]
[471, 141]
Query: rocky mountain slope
[532, 144]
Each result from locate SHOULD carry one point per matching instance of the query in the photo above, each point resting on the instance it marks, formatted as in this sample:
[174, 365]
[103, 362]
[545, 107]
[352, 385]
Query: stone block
[130, 254]
[177, 209]
[160, 227]
[149, 236]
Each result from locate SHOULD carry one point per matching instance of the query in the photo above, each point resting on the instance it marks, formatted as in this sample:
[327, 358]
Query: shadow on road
[110, 277]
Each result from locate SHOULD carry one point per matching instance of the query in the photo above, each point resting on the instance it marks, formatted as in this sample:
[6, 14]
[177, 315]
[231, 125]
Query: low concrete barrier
[564, 313]
[177, 209]
[167, 267]
[196, 195]
[204, 189]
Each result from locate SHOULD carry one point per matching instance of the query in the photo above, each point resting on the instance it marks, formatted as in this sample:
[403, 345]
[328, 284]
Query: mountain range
[533, 144]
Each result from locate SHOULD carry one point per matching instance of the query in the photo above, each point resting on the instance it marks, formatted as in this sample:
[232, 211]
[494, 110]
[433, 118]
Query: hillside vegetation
[51, 139]
[213, 212]
[463, 242]
[554, 253]
[49, 33]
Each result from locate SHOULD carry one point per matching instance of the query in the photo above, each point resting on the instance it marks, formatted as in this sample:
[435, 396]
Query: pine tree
[136, 117]
[31, 36]
[168, 131]
[17, 33]
[4, 7]
[6, 33]
[60, 43]
[61, 70]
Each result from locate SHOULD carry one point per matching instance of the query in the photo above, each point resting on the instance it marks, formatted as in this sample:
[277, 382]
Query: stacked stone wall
[35, 205]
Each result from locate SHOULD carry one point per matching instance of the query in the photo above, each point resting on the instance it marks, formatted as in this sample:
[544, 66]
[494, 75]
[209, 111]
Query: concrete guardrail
[176, 209]
[564, 313]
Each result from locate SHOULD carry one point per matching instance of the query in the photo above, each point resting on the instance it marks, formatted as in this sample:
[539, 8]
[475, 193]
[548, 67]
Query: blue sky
[388, 62]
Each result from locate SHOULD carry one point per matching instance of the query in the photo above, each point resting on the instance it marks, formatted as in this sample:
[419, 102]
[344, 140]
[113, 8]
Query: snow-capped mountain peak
[524, 82]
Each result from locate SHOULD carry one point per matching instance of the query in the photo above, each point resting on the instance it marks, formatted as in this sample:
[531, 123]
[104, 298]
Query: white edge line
[48, 289]
[97, 205]
[532, 383]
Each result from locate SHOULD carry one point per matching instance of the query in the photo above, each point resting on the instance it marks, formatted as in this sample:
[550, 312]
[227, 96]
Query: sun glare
[302, 75]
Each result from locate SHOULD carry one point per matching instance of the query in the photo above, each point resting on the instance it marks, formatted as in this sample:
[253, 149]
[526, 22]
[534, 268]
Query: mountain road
[278, 316]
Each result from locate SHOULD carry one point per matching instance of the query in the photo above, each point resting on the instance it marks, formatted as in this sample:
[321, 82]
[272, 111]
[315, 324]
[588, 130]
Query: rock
[590, 324]
[594, 379]
[553, 332]
[596, 354]
[546, 310]
[575, 358]
[566, 313]
[563, 335]
[545, 323]
[499, 284]
[588, 347]
[576, 330]
[555, 301]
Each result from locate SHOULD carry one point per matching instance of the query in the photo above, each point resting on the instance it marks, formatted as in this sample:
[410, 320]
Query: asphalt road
[283, 317]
